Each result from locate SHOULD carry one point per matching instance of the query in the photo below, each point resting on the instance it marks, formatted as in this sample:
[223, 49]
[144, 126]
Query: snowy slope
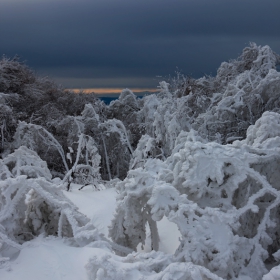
[51, 259]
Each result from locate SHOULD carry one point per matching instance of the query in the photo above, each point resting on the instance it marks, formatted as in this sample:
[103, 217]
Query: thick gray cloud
[94, 43]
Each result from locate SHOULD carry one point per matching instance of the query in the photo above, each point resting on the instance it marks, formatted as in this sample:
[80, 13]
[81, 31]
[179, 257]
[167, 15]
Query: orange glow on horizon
[111, 90]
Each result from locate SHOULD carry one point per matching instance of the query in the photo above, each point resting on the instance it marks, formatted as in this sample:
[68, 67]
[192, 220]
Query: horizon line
[111, 90]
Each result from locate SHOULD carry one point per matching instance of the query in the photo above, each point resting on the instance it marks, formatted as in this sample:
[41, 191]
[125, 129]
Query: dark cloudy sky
[127, 43]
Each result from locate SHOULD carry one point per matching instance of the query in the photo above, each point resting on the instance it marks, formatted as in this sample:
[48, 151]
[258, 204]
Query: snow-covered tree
[220, 108]
[116, 126]
[125, 109]
[146, 114]
[146, 148]
[116, 146]
[250, 86]
[87, 172]
[38, 139]
[24, 161]
[7, 126]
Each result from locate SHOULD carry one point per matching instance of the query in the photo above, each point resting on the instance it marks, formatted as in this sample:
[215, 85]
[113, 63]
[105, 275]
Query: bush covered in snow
[224, 199]
[31, 205]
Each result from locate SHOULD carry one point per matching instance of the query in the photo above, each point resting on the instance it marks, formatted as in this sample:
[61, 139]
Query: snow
[274, 274]
[168, 237]
[52, 259]
[196, 178]
[49, 258]
[99, 206]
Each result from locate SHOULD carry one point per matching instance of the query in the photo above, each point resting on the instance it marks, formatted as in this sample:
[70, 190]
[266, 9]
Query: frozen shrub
[40, 140]
[24, 161]
[224, 199]
[31, 205]
[88, 172]
[146, 148]
[150, 266]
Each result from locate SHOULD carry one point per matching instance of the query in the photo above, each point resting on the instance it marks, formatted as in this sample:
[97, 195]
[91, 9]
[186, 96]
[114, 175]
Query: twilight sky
[128, 43]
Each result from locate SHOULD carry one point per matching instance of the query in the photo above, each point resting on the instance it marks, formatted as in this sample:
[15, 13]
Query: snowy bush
[87, 173]
[116, 126]
[86, 165]
[250, 86]
[220, 108]
[133, 212]
[38, 139]
[24, 162]
[150, 266]
[31, 205]
[7, 125]
[224, 199]
[146, 148]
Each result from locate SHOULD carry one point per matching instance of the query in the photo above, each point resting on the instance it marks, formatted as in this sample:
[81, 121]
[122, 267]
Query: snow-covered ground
[49, 259]
[52, 259]
[99, 206]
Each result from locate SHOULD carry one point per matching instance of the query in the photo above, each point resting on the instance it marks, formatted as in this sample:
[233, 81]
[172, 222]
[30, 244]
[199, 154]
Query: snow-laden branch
[116, 126]
[46, 137]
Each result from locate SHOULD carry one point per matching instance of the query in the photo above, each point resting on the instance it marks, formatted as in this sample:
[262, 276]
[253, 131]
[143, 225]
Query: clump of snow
[274, 274]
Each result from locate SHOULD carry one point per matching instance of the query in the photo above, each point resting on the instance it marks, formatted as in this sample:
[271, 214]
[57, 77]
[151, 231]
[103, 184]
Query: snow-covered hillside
[183, 184]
